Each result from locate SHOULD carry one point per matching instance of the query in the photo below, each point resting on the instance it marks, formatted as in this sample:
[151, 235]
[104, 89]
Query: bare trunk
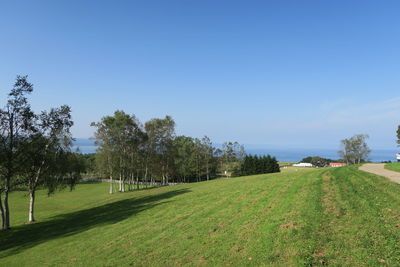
[6, 222]
[120, 182]
[1, 211]
[208, 174]
[132, 182]
[137, 180]
[145, 176]
[31, 205]
[111, 185]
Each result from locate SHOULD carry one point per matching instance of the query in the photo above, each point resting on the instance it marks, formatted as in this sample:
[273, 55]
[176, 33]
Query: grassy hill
[334, 216]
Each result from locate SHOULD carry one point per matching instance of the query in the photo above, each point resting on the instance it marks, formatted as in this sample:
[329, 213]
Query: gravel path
[379, 169]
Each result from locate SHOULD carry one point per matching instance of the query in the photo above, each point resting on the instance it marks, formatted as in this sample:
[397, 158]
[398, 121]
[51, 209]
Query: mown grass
[334, 216]
[394, 166]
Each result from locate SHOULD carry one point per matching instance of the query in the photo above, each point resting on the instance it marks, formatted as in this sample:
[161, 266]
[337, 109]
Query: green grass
[394, 166]
[332, 216]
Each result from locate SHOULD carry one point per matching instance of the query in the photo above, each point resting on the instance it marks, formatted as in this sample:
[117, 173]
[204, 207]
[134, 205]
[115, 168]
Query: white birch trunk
[31, 205]
[111, 185]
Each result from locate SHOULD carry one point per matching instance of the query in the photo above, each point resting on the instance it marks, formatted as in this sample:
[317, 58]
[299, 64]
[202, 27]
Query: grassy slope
[336, 216]
[394, 166]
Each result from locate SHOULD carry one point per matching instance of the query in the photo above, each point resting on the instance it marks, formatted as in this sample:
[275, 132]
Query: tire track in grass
[197, 232]
[226, 219]
[360, 235]
[296, 219]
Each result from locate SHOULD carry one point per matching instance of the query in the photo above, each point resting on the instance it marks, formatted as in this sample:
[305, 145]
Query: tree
[207, 150]
[355, 149]
[119, 138]
[16, 124]
[184, 157]
[42, 151]
[232, 156]
[317, 161]
[253, 164]
[160, 134]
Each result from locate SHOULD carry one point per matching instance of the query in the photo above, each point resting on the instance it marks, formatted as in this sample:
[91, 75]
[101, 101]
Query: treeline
[318, 161]
[134, 153]
[35, 153]
[253, 164]
[34, 149]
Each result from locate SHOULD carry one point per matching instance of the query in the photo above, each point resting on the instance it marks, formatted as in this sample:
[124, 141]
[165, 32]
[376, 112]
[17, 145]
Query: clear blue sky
[287, 73]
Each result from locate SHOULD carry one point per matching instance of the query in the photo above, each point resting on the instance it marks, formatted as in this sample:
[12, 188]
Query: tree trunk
[31, 205]
[120, 182]
[208, 174]
[111, 185]
[6, 223]
[137, 180]
[1, 211]
[145, 176]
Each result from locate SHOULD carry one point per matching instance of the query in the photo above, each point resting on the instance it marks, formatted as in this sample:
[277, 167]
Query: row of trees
[35, 152]
[34, 149]
[317, 161]
[134, 153]
[253, 164]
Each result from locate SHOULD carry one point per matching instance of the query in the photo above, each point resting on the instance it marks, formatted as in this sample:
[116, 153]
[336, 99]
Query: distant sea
[87, 146]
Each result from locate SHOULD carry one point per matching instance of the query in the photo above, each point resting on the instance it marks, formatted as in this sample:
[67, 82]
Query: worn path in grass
[379, 169]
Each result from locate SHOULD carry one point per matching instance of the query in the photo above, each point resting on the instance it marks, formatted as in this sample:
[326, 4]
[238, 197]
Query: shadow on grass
[26, 236]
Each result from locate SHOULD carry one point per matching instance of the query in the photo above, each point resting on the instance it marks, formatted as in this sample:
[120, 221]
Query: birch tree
[50, 140]
[16, 124]
[120, 138]
[355, 149]
[208, 154]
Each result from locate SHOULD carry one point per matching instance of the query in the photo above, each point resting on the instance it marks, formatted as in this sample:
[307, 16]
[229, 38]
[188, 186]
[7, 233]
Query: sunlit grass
[394, 166]
[335, 216]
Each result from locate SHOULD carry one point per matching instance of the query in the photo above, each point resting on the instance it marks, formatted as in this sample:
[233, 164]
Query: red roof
[337, 164]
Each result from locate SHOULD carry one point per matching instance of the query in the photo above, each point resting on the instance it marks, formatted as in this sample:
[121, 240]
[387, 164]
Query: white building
[302, 164]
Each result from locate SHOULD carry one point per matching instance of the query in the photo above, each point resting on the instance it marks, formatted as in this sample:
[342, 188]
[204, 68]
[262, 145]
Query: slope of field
[394, 166]
[335, 216]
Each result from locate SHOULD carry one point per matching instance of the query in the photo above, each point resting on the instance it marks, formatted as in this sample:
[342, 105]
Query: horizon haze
[281, 73]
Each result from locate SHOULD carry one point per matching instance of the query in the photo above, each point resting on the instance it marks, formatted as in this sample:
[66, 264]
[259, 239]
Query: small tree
[355, 149]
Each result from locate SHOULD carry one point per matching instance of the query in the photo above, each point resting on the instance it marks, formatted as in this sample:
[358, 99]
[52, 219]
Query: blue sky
[278, 73]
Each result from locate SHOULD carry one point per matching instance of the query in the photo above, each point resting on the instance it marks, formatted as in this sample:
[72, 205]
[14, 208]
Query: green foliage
[355, 149]
[33, 148]
[318, 161]
[153, 154]
[398, 135]
[253, 164]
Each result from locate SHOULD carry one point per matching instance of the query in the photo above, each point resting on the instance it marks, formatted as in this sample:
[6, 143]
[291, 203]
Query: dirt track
[379, 169]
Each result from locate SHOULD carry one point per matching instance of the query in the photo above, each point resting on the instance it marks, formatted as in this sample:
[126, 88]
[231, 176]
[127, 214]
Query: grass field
[333, 216]
[394, 166]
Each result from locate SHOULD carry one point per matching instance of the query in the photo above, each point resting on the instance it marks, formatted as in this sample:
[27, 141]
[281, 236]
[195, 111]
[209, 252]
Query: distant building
[337, 164]
[398, 156]
[302, 164]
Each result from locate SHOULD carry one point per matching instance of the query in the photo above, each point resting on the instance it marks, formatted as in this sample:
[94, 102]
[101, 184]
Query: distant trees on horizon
[318, 161]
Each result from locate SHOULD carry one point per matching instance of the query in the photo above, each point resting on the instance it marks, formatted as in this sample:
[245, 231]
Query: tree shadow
[23, 237]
